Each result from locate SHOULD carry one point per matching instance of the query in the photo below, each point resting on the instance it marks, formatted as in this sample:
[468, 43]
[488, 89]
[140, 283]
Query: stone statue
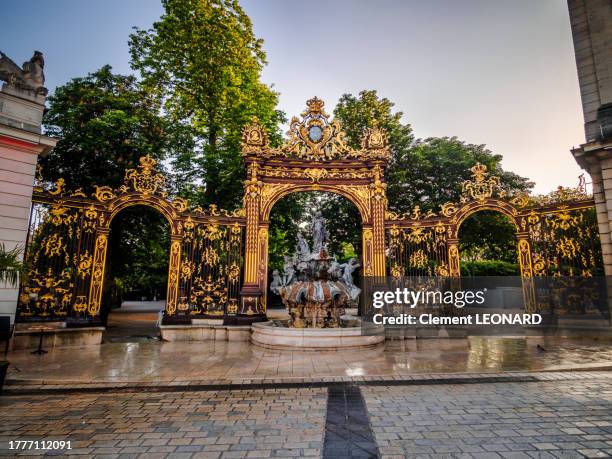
[302, 250]
[334, 269]
[276, 281]
[30, 76]
[347, 276]
[288, 271]
[320, 236]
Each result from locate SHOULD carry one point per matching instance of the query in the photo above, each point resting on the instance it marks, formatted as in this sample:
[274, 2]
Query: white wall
[17, 170]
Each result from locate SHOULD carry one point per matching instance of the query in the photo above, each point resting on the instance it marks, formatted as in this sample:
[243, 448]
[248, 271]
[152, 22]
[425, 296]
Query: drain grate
[348, 433]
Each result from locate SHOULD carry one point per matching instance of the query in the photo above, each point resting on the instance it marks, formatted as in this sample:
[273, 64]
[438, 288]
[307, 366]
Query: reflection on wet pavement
[210, 360]
[135, 321]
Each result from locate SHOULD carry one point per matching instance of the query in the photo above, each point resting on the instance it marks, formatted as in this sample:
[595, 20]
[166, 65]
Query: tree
[429, 172]
[426, 172]
[104, 123]
[203, 61]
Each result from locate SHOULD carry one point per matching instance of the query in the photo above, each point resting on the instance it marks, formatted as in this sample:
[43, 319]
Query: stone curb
[290, 383]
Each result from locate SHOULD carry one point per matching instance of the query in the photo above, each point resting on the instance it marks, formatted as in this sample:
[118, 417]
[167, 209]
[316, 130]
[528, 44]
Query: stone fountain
[316, 290]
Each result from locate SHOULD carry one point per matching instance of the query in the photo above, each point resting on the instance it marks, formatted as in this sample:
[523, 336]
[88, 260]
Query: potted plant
[10, 265]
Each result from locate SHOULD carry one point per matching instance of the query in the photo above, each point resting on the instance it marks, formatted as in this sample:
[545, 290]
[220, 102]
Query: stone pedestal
[316, 339]
[25, 338]
[21, 142]
[205, 332]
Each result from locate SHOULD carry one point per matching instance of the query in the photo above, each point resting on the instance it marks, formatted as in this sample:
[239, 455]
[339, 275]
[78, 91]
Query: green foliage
[202, 60]
[426, 172]
[431, 172]
[358, 113]
[10, 265]
[489, 268]
[104, 123]
[138, 247]
[488, 235]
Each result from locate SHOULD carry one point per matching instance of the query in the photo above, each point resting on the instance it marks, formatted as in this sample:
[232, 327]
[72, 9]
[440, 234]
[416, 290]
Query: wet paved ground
[221, 361]
[569, 415]
[134, 321]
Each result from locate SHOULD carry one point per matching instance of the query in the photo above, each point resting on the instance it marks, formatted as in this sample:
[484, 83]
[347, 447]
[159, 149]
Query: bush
[489, 268]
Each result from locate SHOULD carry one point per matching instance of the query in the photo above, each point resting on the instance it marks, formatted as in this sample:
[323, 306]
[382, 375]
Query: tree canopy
[104, 123]
[428, 172]
[203, 62]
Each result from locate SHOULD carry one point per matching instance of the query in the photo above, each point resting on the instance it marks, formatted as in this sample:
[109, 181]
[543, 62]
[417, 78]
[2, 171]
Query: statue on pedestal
[30, 76]
[320, 236]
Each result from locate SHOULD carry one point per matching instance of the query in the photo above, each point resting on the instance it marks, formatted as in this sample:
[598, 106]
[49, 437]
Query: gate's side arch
[205, 257]
[510, 211]
[113, 207]
[431, 240]
[492, 204]
[315, 157]
[163, 206]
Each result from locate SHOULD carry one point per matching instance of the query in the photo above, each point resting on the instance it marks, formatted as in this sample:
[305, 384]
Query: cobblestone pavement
[248, 423]
[569, 415]
[562, 419]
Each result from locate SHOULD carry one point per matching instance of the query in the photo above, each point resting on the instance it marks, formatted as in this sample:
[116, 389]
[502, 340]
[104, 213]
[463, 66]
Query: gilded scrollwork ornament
[482, 186]
[375, 143]
[144, 179]
[104, 193]
[254, 139]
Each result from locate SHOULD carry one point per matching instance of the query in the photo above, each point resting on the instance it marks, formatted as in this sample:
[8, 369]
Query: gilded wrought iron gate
[68, 242]
[211, 249]
[557, 237]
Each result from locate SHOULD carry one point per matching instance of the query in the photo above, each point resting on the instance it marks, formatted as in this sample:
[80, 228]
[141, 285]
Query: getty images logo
[413, 298]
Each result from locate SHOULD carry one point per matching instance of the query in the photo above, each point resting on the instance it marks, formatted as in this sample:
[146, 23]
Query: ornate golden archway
[315, 157]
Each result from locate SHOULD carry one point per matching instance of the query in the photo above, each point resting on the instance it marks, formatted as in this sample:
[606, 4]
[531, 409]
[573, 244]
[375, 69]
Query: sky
[494, 72]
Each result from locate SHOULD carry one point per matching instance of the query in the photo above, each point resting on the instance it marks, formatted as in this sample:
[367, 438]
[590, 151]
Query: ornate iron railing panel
[59, 259]
[211, 267]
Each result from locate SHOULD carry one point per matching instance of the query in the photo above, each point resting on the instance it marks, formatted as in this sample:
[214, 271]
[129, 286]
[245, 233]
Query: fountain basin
[273, 336]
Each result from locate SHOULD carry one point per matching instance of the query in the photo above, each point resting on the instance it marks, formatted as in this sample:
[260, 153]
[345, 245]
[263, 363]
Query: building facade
[591, 22]
[22, 102]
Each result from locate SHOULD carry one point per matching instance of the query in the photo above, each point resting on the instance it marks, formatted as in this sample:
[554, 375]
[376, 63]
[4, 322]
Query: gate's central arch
[315, 157]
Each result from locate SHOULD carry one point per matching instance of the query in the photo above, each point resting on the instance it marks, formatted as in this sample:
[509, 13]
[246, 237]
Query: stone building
[591, 22]
[22, 101]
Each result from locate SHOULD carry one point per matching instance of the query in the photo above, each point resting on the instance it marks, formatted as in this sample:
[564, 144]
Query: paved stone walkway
[223, 362]
[561, 415]
[251, 423]
[565, 419]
